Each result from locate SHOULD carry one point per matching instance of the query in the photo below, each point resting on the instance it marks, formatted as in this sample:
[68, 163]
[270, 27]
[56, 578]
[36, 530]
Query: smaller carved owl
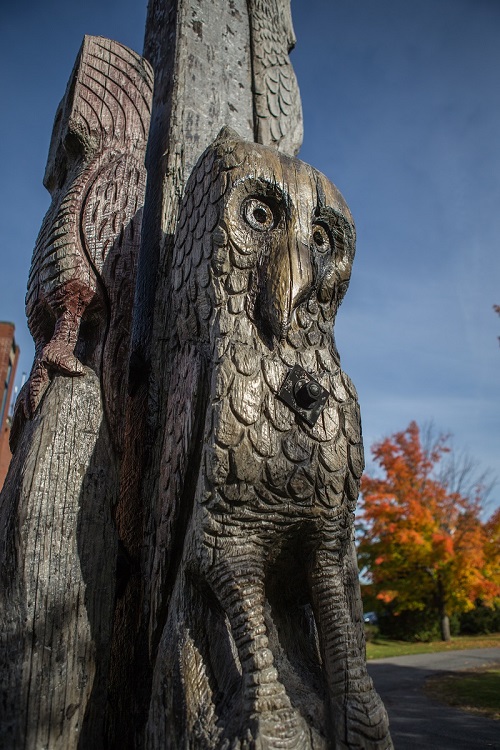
[84, 260]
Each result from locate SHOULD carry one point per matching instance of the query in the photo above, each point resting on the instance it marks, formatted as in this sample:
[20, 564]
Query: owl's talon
[53, 359]
[56, 357]
[365, 725]
[36, 386]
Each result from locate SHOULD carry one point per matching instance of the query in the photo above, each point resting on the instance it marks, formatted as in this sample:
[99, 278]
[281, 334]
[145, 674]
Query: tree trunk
[445, 628]
[443, 617]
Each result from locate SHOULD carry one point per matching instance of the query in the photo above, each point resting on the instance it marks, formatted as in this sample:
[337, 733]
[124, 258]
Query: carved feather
[278, 110]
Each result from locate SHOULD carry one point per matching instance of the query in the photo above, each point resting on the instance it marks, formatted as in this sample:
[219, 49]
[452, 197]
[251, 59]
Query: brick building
[9, 354]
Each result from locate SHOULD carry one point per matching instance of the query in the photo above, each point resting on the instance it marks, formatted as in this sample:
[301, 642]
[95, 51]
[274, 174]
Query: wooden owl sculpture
[256, 620]
[83, 266]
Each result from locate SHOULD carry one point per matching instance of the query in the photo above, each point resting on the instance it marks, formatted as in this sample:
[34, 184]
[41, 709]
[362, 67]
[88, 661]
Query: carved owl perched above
[83, 265]
[255, 617]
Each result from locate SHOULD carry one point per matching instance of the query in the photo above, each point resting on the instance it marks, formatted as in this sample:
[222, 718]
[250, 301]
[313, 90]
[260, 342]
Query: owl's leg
[57, 355]
[238, 584]
[358, 715]
[269, 721]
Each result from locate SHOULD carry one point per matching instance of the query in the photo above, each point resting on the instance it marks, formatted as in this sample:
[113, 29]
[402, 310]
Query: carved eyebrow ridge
[320, 194]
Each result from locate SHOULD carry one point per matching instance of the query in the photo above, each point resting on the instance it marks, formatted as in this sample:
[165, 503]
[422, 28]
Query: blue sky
[402, 111]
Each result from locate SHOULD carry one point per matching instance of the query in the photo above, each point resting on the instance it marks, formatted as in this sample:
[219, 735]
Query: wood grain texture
[200, 51]
[216, 64]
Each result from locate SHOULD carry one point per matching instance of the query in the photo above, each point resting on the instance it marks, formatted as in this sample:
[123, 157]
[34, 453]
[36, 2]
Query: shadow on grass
[475, 690]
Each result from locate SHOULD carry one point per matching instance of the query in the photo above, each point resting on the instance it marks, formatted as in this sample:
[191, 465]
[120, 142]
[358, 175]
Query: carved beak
[289, 276]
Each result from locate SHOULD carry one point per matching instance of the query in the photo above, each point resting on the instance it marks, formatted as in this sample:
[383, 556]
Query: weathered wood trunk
[201, 56]
[208, 60]
[205, 75]
[58, 541]
[58, 548]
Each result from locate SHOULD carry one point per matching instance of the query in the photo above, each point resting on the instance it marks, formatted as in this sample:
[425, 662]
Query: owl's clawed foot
[60, 358]
[274, 730]
[366, 723]
[54, 358]
[282, 730]
[36, 386]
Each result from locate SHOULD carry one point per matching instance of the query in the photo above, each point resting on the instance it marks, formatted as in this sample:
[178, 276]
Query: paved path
[417, 722]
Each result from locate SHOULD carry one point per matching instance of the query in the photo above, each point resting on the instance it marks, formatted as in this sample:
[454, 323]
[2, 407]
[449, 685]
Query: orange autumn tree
[422, 542]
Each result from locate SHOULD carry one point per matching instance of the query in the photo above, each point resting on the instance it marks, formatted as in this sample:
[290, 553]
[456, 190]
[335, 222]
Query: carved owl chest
[258, 452]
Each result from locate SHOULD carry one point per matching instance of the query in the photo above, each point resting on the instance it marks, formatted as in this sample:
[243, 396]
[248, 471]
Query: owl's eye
[258, 214]
[73, 145]
[321, 238]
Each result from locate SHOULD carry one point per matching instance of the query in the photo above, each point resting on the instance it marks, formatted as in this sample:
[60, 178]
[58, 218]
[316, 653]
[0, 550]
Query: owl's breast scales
[260, 455]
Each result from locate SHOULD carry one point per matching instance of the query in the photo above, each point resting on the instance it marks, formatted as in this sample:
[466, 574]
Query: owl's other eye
[258, 214]
[321, 238]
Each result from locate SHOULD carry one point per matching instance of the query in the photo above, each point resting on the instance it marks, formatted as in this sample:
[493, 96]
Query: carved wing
[179, 468]
[111, 225]
[278, 111]
[191, 306]
[112, 202]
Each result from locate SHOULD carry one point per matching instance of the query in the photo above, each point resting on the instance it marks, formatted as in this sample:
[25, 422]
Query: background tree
[422, 541]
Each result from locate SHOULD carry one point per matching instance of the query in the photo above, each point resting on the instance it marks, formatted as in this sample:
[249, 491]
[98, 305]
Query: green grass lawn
[477, 691]
[381, 647]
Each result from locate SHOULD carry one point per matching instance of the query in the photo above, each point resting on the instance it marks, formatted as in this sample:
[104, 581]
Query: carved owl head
[104, 109]
[260, 235]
